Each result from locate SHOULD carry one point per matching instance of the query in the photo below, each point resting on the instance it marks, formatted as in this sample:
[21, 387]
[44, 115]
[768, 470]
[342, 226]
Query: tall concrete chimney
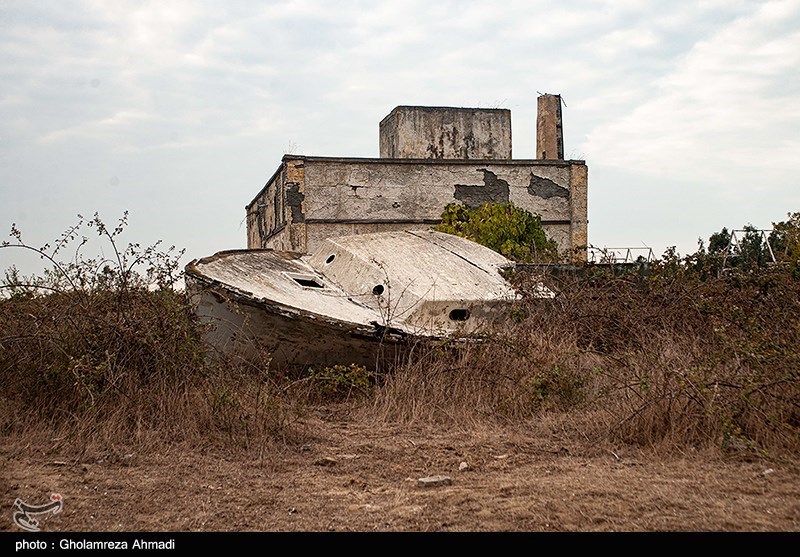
[549, 133]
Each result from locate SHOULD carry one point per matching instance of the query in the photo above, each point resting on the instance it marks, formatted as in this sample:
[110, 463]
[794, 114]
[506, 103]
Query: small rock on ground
[434, 481]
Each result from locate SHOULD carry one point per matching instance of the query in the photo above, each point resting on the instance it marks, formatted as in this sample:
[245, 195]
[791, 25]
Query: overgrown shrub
[108, 351]
[667, 359]
[340, 382]
[503, 227]
[107, 348]
[689, 360]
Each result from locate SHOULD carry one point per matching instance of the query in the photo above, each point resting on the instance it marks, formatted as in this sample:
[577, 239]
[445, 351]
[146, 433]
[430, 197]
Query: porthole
[459, 315]
[378, 289]
[330, 259]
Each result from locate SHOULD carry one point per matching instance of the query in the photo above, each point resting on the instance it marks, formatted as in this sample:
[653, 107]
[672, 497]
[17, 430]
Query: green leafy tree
[719, 241]
[503, 227]
[785, 242]
[752, 251]
[748, 250]
[785, 239]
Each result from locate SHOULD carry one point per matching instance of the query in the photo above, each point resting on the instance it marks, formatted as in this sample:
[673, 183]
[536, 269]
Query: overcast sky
[687, 113]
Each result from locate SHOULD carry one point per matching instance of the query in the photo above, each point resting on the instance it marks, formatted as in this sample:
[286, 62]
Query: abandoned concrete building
[429, 157]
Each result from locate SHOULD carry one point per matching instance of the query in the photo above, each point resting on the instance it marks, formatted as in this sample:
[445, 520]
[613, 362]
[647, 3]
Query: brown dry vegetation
[665, 401]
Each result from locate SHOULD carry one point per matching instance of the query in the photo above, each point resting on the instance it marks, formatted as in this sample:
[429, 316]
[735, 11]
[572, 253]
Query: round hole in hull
[330, 259]
[459, 315]
[378, 289]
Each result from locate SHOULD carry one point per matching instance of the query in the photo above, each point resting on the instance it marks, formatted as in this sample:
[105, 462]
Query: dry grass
[94, 356]
[96, 352]
[666, 362]
[128, 369]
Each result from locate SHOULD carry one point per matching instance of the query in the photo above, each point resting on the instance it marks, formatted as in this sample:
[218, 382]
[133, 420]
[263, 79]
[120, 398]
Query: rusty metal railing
[619, 256]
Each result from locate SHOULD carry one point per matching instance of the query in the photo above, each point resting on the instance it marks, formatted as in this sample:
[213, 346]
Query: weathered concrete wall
[328, 197]
[265, 212]
[391, 191]
[275, 217]
[579, 237]
[424, 132]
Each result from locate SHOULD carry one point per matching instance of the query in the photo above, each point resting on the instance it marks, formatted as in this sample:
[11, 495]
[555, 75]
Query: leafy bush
[508, 230]
[341, 381]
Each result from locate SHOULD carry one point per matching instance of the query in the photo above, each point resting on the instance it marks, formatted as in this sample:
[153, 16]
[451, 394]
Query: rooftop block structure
[425, 132]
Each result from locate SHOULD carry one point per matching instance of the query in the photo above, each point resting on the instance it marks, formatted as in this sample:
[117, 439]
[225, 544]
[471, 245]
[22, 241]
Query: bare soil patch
[350, 475]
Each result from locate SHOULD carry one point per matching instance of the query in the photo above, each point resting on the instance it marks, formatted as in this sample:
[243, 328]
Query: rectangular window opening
[308, 282]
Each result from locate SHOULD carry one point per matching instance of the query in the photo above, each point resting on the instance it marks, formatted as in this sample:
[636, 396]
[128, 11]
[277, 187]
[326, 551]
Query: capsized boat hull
[363, 299]
[290, 339]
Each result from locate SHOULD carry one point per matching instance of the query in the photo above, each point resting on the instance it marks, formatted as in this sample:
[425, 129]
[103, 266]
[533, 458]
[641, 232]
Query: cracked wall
[320, 197]
[424, 132]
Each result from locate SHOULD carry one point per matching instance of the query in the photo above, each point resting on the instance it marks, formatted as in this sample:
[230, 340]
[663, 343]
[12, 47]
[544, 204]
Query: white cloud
[97, 129]
[726, 111]
[195, 102]
[613, 44]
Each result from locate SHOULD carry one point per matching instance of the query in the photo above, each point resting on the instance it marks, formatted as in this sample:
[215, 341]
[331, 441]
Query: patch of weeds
[340, 382]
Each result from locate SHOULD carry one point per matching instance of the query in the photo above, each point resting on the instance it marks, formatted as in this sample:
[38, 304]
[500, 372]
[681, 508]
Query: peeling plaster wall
[275, 217]
[396, 191]
[312, 198]
[425, 132]
[265, 214]
[579, 223]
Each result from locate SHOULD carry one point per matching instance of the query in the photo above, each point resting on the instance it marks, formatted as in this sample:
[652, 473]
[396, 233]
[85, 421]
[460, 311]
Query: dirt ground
[355, 476]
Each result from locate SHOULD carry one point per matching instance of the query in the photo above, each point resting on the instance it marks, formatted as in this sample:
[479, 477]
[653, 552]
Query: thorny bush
[109, 348]
[655, 356]
[668, 354]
